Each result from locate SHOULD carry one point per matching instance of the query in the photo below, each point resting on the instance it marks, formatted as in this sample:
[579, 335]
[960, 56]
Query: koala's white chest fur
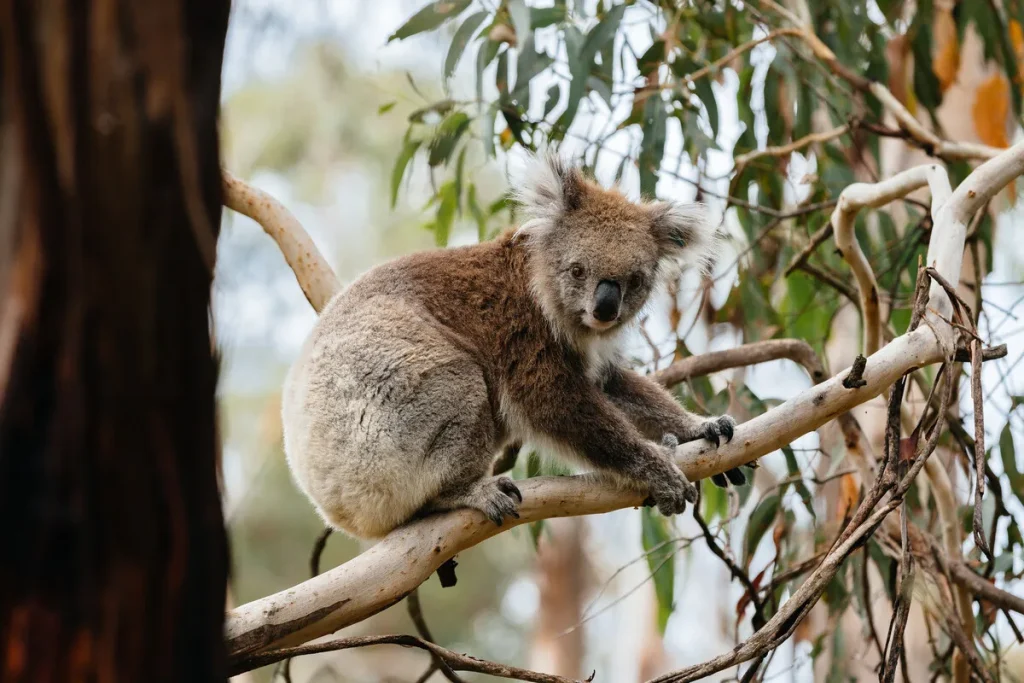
[600, 352]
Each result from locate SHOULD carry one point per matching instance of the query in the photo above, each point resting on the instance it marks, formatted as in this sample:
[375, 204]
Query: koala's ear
[684, 234]
[548, 188]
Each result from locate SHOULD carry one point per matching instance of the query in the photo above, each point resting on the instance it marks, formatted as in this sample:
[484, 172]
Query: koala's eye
[636, 280]
[576, 270]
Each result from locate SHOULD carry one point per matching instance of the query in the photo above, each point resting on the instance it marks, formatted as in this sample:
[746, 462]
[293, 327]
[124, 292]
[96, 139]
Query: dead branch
[453, 660]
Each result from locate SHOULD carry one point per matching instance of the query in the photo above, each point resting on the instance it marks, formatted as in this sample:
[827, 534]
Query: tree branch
[453, 660]
[318, 281]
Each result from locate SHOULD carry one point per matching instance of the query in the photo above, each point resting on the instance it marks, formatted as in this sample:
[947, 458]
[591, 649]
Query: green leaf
[476, 212]
[554, 95]
[445, 213]
[440, 108]
[651, 59]
[430, 17]
[484, 56]
[807, 309]
[660, 551]
[460, 40]
[581, 58]
[447, 136]
[385, 108]
[398, 172]
[545, 16]
[715, 501]
[521, 20]
[926, 83]
[1009, 458]
[761, 519]
[487, 130]
[799, 485]
[529, 64]
[707, 96]
[652, 149]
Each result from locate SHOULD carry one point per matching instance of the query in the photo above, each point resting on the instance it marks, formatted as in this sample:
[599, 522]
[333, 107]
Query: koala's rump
[380, 413]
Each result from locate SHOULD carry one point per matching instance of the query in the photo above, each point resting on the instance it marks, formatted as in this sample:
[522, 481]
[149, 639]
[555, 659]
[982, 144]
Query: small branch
[318, 550]
[783, 150]
[318, 281]
[412, 603]
[454, 660]
[855, 378]
[795, 350]
[737, 51]
[815, 241]
[758, 620]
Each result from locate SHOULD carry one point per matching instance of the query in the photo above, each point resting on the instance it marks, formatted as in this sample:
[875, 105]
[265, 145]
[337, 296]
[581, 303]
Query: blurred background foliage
[390, 127]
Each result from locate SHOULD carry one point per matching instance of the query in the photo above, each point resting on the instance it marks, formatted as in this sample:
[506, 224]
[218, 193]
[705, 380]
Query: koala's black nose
[606, 300]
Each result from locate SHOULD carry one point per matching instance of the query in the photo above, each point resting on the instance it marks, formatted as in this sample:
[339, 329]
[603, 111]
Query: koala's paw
[716, 428]
[668, 487]
[498, 498]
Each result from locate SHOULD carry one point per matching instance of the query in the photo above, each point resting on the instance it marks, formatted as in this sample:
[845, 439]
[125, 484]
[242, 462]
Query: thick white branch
[318, 281]
[844, 218]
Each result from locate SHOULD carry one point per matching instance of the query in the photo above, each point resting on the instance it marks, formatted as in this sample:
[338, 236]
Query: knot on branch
[855, 379]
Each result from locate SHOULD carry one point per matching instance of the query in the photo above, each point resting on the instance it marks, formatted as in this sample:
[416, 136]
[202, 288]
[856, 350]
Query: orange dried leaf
[946, 51]
[991, 112]
[849, 492]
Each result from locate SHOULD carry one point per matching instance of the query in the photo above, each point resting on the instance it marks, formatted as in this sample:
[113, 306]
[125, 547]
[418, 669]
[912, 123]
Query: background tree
[114, 560]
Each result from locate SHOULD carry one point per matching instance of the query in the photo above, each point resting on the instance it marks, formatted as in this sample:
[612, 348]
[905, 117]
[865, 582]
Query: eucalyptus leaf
[430, 17]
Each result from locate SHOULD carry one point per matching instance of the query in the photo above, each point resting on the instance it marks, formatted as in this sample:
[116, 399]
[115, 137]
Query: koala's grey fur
[417, 374]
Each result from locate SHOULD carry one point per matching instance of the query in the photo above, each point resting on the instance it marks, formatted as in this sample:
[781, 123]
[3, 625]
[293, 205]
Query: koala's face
[602, 262]
[596, 255]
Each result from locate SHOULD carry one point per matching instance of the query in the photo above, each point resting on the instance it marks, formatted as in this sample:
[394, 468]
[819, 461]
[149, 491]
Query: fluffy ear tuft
[548, 188]
[684, 234]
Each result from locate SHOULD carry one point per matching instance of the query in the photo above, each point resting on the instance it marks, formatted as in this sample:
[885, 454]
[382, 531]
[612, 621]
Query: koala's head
[595, 256]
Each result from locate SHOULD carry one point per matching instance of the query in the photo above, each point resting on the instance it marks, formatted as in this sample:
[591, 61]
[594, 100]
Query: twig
[453, 660]
[412, 603]
[795, 350]
[318, 550]
[744, 159]
[757, 620]
[855, 378]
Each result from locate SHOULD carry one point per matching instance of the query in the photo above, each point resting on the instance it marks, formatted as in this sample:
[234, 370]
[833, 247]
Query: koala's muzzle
[606, 300]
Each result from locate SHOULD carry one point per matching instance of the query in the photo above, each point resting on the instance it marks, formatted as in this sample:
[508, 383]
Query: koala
[422, 370]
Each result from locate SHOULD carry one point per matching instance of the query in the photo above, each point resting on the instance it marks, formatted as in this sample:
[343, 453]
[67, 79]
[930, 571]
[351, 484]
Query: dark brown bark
[113, 560]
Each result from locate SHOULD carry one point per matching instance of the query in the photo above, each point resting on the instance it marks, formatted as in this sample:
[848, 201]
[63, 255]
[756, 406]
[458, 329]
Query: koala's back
[385, 403]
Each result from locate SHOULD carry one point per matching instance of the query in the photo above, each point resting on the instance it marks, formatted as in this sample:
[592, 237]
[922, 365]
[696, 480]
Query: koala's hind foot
[496, 497]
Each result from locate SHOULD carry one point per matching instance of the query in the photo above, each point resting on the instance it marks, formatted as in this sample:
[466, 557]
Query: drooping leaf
[430, 17]
[761, 519]
[660, 550]
[460, 40]
[554, 95]
[702, 86]
[521, 20]
[476, 212]
[581, 58]
[652, 149]
[1009, 458]
[445, 213]
[447, 136]
[398, 171]
[488, 51]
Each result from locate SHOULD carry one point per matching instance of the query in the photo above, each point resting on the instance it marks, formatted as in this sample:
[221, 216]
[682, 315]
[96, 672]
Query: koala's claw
[718, 427]
[734, 476]
[500, 499]
[509, 488]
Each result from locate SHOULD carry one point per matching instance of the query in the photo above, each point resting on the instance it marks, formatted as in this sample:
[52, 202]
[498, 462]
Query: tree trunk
[114, 561]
